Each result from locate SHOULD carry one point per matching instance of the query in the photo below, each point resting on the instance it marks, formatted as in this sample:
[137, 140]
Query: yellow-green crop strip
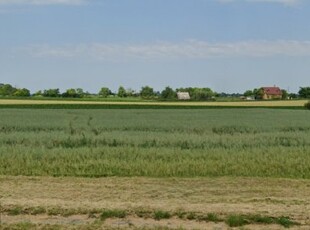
[277, 103]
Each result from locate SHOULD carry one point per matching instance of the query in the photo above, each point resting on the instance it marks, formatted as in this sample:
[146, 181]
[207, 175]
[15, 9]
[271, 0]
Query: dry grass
[222, 196]
[293, 103]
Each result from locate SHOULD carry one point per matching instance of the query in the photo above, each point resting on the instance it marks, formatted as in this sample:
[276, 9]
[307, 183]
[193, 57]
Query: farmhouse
[183, 96]
[271, 93]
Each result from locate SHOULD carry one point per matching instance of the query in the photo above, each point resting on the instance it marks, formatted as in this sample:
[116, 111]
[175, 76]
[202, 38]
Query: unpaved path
[223, 196]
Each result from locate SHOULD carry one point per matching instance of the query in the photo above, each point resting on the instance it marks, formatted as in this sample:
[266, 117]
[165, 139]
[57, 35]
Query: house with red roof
[271, 93]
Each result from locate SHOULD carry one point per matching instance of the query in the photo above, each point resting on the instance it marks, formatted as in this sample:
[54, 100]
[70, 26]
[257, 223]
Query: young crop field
[154, 168]
[155, 143]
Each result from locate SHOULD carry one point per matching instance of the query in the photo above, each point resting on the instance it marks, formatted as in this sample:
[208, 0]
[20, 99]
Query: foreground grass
[155, 143]
[232, 220]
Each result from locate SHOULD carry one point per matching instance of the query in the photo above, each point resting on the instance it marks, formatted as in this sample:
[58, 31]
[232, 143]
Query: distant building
[271, 93]
[183, 96]
[247, 98]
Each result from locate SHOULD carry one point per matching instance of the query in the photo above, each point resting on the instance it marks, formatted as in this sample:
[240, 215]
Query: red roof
[272, 90]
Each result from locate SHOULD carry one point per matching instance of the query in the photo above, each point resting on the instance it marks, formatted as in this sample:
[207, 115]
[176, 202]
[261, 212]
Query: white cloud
[284, 2]
[192, 49]
[42, 2]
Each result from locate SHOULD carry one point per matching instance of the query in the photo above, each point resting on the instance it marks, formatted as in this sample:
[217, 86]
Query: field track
[293, 103]
[69, 200]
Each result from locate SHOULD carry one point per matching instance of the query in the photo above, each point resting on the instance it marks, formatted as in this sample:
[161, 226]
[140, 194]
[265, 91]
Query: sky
[227, 45]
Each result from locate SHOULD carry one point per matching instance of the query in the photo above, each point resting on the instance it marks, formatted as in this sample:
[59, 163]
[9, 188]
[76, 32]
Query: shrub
[286, 222]
[17, 210]
[307, 105]
[213, 217]
[236, 221]
[191, 216]
[158, 215]
[37, 210]
[112, 213]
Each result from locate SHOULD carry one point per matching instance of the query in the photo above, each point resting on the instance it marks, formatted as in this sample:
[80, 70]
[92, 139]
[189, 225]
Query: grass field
[245, 168]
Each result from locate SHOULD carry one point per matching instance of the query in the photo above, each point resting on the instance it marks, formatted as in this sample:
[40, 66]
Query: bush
[307, 105]
[158, 215]
[236, 221]
[286, 222]
[112, 214]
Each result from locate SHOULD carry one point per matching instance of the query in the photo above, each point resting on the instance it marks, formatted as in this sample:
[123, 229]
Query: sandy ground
[223, 196]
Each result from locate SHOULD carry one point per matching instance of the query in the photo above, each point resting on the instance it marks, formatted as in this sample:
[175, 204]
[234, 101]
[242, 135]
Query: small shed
[183, 96]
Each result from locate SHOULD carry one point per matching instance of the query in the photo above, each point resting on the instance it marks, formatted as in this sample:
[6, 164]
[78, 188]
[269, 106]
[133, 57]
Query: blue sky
[227, 45]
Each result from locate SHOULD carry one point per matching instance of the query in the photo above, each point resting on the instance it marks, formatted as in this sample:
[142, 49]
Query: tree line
[146, 92]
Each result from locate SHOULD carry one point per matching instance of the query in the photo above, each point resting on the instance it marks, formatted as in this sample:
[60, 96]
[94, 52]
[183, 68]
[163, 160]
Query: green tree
[258, 93]
[121, 92]
[168, 93]
[22, 93]
[293, 95]
[7, 90]
[304, 92]
[202, 94]
[284, 94]
[38, 93]
[248, 93]
[130, 92]
[147, 92]
[70, 93]
[104, 92]
[80, 92]
[51, 93]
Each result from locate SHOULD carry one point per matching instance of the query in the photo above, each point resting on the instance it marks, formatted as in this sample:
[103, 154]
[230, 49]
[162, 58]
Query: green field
[155, 143]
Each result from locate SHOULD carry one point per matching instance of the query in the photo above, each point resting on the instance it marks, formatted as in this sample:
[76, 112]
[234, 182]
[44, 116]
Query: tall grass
[155, 143]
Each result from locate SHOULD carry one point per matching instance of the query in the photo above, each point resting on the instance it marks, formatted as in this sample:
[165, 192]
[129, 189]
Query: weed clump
[286, 222]
[106, 214]
[158, 215]
[17, 210]
[236, 221]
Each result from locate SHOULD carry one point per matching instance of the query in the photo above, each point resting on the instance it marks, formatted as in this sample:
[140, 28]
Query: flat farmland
[279, 103]
[154, 169]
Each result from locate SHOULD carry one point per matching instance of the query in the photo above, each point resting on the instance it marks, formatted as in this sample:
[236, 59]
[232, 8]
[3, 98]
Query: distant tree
[7, 90]
[285, 95]
[130, 92]
[222, 94]
[258, 93]
[51, 93]
[121, 92]
[38, 93]
[22, 93]
[202, 94]
[168, 93]
[293, 95]
[147, 92]
[104, 92]
[71, 93]
[304, 92]
[248, 93]
[80, 92]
